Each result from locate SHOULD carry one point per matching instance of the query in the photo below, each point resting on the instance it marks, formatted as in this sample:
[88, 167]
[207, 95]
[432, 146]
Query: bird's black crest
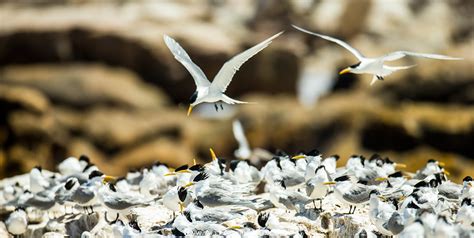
[433, 183]
[87, 167]
[180, 168]
[38, 167]
[282, 183]
[342, 178]
[69, 184]
[355, 65]
[112, 187]
[278, 163]
[421, 184]
[466, 201]
[134, 225]
[187, 214]
[193, 97]
[431, 161]
[200, 176]
[467, 179]
[197, 203]
[335, 156]
[84, 158]
[313, 152]
[375, 157]
[303, 234]
[182, 193]
[250, 225]
[177, 232]
[95, 173]
[24, 209]
[262, 219]
[388, 161]
[320, 167]
[281, 153]
[233, 164]
[397, 174]
[197, 167]
[413, 205]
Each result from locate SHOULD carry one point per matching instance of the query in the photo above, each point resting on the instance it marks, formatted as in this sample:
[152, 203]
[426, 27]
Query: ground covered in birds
[303, 195]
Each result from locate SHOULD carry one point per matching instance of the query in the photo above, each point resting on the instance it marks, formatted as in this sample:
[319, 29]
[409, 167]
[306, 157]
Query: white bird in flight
[243, 152]
[375, 66]
[205, 90]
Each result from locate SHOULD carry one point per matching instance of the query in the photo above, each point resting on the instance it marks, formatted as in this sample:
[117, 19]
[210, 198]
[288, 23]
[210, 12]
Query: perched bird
[316, 187]
[376, 66]
[205, 90]
[38, 182]
[351, 193]
[17, 222]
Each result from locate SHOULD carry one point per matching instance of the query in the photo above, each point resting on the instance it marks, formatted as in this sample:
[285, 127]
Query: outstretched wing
[240, 137]
[180, 55]
[225, 74]
[400, 54]
[354, 51]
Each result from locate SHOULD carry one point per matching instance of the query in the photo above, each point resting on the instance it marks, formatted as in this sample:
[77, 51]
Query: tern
[205, 90]
[17, 222]
[376, 66]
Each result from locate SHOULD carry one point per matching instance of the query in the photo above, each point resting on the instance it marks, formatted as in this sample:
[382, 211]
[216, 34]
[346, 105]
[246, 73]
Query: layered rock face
[96, 78]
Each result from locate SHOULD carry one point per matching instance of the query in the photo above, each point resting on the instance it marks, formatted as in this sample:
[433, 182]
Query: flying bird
[376, 66]
[205, 90]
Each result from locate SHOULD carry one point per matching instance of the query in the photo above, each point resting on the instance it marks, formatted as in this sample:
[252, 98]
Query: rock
[16, 97]
[79, 85]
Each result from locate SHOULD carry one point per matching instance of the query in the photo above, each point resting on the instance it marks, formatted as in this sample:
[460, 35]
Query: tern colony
[226, 198]
[285, 197]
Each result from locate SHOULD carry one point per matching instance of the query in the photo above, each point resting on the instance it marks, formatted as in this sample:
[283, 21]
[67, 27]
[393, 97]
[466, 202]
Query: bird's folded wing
[354, 51]
[225, 74]
[400, 54]
[180, 54]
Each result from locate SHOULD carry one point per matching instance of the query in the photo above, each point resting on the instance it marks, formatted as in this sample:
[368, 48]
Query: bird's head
[193, 101]
[350, 69]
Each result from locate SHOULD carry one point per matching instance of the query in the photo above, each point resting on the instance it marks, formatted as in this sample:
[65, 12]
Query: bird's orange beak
[190, 109]
[214, 157]
[345, 71]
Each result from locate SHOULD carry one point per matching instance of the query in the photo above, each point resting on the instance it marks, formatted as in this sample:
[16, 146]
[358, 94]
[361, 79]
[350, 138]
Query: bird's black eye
[354, 65]
[193, 97]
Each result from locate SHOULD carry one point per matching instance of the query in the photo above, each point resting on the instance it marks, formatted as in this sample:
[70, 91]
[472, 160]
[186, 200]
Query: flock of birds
[207, 92]
[235, 198]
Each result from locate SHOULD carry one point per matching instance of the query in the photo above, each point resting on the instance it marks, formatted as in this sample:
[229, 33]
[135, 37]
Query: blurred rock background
[95, 77]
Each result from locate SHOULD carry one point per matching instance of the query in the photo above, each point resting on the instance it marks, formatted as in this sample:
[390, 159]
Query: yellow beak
[181, 207]
[345, 71]
[108, 179]
[214, 157]
[447, 173]
[170, 174]
[329, 183]
[400, 165]
[380, 179]
[441, 163]
[190, 109]
[188, 185]
[299, 157]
